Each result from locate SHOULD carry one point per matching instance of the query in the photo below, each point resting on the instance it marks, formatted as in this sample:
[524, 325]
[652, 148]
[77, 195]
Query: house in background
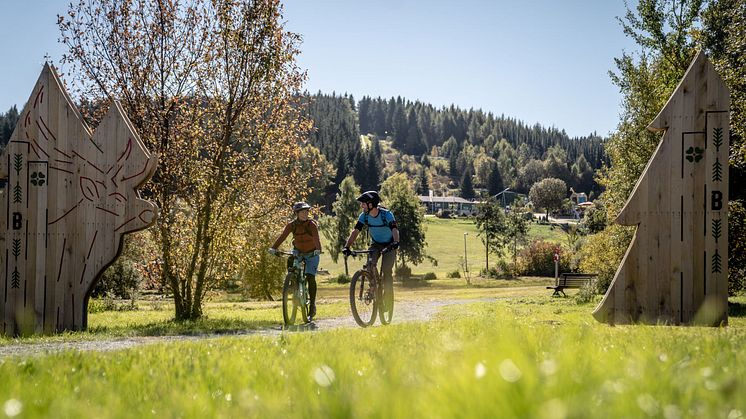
[578, 198]
[456, 205]
[580, 203]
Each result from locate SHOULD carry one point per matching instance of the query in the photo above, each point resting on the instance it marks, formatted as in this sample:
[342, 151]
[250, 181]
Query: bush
[120, 280]
[586, 294]
[342, 279]
[403, 272]
[454, 274]
[429, 276]
[736, 247]
[603, 252]
[537, 259]
[444, 214]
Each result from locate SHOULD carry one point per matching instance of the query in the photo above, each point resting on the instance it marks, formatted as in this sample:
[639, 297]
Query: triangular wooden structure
[70, 197]
[675, 270]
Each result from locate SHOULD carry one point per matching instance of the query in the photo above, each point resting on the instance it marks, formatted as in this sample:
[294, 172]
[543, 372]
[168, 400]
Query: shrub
[537, 259]
[120, 280]
[454, 274]
[429, 276]
[736, 247]
[403, 272]
[586, 294]
[602, 253]
[342, 279]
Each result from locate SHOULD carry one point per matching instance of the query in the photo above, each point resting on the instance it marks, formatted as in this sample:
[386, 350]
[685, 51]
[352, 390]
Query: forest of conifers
[442, 147]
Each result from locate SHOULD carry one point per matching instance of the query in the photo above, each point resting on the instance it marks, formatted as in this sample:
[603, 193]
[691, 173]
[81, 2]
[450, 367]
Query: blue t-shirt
[380, 226]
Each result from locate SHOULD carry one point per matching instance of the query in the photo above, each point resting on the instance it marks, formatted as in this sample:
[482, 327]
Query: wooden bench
[571, 280]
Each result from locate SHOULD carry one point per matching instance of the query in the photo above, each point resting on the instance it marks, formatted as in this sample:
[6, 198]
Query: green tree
[516, 231]
[491, 223]
[663, 29]
[398, 195]
[337, 228]
[466, 186]
[495, 182]
[548, 194]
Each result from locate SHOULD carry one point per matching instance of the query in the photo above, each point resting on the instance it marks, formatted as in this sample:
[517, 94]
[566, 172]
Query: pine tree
[374, 172]
[466, 187]
[495, 182]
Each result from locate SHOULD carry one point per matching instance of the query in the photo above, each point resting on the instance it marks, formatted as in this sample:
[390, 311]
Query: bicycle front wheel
[362, 299]
[386, 304]
[290, 300]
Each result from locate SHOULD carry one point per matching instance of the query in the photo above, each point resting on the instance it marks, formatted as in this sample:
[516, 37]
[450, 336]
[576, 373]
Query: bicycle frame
[298, 270]
[378, 297]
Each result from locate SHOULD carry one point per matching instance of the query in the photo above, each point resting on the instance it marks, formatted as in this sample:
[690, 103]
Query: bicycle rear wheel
[290, 300]
[386, 302]
[362, 299]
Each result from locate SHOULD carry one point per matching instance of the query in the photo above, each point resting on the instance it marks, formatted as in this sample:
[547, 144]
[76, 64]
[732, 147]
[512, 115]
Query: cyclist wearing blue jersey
[384, 233]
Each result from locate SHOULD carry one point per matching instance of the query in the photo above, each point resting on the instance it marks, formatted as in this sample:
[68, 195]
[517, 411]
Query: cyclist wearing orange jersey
[306, 242]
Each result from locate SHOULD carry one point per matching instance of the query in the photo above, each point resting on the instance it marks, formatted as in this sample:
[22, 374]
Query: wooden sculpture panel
[675, 270]
[70, 197]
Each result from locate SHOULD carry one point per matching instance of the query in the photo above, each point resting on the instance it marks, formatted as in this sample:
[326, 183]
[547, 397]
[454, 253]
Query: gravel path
[404, 311]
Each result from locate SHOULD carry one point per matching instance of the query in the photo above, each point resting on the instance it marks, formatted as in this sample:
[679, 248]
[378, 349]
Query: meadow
[523, 354]
[445, 243]
[494, 348]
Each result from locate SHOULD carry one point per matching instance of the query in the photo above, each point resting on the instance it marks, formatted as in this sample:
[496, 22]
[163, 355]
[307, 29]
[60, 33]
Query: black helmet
[298, 206]
[370, 196]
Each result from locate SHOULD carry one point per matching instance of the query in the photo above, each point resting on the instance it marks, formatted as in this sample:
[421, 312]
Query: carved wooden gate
[675, 270]
[70, 197]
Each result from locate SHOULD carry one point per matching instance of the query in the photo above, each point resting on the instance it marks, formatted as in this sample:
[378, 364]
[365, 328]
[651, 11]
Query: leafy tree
[484, 166]
[337, 228]
[663, 29]
[548, 194]
[399, 196]
[210, 86]
[491, 223]
[530, 173]
[516, 231]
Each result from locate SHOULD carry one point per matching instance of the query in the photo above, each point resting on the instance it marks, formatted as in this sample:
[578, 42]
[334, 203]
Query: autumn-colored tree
[211, 87]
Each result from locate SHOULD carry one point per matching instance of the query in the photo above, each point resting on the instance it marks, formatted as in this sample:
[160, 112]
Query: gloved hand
[316, 252]
[346, 251]
[272, 251]
[394, 245]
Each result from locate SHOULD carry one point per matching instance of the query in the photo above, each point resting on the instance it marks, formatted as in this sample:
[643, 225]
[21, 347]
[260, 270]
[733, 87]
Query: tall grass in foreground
[531, 357]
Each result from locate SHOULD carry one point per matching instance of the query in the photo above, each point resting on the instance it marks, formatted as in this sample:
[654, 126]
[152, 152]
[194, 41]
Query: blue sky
[539, 61]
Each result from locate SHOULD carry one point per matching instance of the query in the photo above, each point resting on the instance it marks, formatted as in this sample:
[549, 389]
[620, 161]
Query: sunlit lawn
[445, 243]
[520, 356]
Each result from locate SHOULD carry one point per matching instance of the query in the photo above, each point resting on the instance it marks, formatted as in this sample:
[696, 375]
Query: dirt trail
[404, 311]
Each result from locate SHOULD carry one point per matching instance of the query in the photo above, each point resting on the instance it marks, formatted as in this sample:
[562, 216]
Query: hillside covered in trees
[450, 151]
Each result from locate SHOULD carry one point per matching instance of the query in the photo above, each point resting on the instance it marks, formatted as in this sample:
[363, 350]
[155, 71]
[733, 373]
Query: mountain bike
[370, 294]
[295, 296]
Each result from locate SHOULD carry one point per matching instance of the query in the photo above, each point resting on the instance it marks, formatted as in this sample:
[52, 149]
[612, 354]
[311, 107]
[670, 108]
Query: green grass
[522, 356]
[445, 242]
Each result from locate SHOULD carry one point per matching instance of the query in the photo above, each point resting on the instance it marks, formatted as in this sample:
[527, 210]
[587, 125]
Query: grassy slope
[445, 242]
[522, 356]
